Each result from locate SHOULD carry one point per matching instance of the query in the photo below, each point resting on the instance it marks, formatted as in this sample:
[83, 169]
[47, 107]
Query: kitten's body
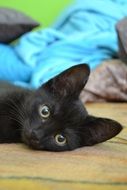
[68, 122]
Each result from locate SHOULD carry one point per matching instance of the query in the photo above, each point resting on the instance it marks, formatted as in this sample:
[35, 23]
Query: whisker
[16, 109]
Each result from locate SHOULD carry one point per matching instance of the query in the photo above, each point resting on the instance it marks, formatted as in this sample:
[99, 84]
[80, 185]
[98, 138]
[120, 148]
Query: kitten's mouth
[32, 143]
[35, 144]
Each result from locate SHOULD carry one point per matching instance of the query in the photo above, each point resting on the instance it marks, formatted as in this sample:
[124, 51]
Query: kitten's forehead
[70, 112]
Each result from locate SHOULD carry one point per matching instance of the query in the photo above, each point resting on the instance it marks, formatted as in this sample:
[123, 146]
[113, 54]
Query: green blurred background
[44, 11]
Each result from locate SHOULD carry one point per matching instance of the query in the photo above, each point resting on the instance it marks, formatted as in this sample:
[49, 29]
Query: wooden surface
[101, 167]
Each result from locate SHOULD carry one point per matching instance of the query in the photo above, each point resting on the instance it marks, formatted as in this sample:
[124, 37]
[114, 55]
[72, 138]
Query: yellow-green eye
[44, 111]
[60, 139]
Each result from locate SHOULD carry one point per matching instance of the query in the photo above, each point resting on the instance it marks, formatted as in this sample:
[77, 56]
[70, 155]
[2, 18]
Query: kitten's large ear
[97, 130]
[69, 82]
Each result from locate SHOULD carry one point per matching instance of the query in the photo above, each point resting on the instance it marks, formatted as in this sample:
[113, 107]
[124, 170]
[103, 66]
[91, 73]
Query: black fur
[20, 120]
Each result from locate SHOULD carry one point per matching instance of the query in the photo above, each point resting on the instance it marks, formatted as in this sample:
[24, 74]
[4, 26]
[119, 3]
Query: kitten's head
[56, 118]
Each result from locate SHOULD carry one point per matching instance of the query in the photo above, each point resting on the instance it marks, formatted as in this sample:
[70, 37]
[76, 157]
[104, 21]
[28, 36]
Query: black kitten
[52, 117]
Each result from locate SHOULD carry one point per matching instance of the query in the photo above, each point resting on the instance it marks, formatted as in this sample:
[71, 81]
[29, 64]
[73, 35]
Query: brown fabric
[121, 28]
[108, 82]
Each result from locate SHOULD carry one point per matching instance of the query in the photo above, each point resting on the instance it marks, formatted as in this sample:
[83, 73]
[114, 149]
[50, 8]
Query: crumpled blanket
[121, 28]
[108, 82]
[85, 33]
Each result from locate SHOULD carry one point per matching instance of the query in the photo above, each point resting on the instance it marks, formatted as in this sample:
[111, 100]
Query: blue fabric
[11, 67]
[85, 33]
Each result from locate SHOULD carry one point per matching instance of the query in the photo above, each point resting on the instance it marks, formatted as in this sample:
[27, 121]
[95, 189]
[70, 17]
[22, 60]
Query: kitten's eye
[44, 111]
[60, 139]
